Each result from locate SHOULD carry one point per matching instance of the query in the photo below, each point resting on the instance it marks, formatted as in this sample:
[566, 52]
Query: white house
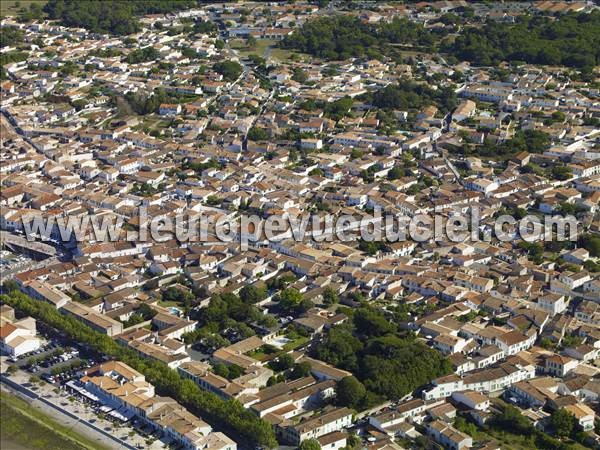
[559, 366]
[515, 341]
[574, 279]
[482, 185]
[449, 344]
[315, 427]
[472, 399]
[311, 144]
[577, 256]
[552, 303]
[583, 414]
[167, 109]
[18, 338]
[448, 436]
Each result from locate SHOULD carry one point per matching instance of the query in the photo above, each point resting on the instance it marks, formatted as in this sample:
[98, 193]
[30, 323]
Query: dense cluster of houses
[72, 146]
[118, 386]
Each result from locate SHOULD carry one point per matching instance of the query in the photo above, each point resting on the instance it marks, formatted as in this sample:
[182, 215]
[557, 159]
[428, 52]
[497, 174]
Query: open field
[282, 54]
[266, 48]
[25, 427]
[257, 49]
[12, 7]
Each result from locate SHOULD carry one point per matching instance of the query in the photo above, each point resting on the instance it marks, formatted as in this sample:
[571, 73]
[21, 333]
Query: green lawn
[292, 345]
[25, 427]
[260, 355]
[169, 304]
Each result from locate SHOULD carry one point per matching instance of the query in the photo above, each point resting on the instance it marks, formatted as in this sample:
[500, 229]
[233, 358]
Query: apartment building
[320, 425]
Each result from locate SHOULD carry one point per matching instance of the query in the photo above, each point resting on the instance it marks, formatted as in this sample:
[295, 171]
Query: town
[188, 109]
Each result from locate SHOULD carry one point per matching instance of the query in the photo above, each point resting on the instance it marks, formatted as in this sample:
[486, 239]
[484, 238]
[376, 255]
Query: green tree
[143, 55]
[353, 442]
[9, 286]
[116, 17]
[563, 422]
[558, 116]
[511, 420]
[310, 444]
[299, 75]
[372, 322]
[591, 242]
[179, 295]
[204, 26]
[350, 392]
[570, 39]
[409, 95]
[300, 370]
[356, 154]
[146, 311]
[11, 36]
[252, 294]
[340, 348]
[257, 134]
[591, 266]
[388, 362]
[561, 173]
[342, 36]
[330, 296]
[338, 109]
[291, 300]
[283, 362]
[230, 70]
[396, 172]
[466, 427]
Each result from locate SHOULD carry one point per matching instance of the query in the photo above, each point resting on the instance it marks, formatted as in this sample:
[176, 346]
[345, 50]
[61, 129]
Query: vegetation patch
[27, 427]
[389, 362]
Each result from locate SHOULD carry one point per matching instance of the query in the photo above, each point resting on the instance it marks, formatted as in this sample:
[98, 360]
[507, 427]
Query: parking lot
[55, 362]
[10, 261]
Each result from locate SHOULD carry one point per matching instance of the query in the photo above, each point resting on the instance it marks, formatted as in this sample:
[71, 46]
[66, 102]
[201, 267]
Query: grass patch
[260, 48]
[282, 54]
[292, 345]
[169, 304]
[257, 49]
[152, 123]
[513, 441]
[262, 354]
[12, 7]
[503, 439]
[25, 426]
